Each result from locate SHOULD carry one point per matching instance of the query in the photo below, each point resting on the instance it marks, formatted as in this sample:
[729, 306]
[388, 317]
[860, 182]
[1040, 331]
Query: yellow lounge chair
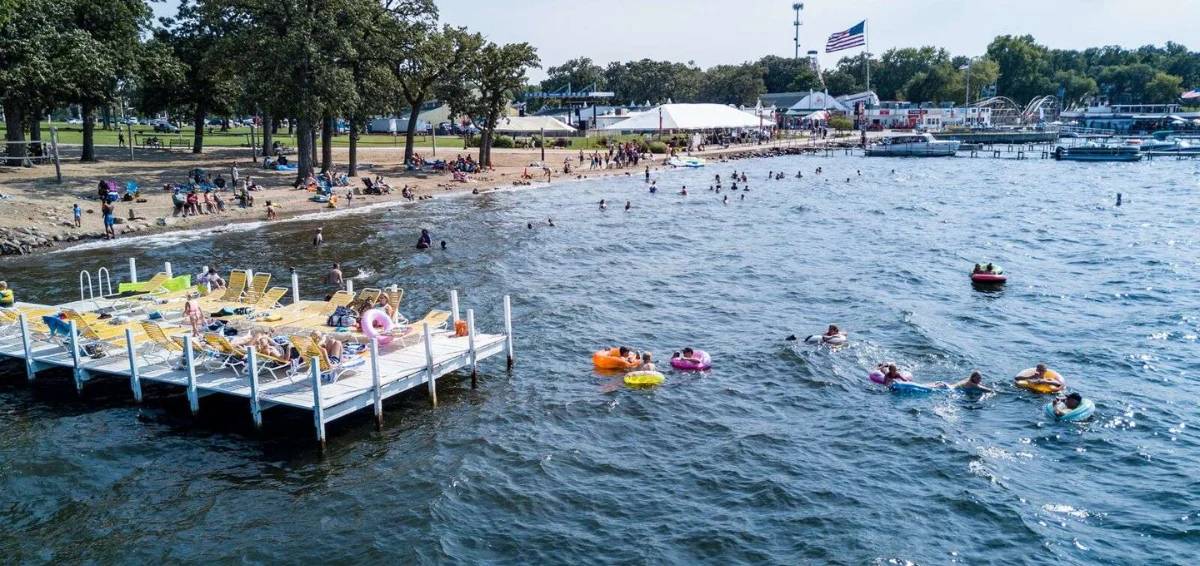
[435, 319]
[258, 286]
[237, 358]
[270, 299]
[153, 285]
[308, 350]
[233, 290]
[162, 342]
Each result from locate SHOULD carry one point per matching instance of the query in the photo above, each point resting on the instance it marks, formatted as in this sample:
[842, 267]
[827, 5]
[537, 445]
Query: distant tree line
[1017, 66]
[306, 61]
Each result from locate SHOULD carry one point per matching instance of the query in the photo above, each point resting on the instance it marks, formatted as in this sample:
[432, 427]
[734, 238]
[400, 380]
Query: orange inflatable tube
[611, 359]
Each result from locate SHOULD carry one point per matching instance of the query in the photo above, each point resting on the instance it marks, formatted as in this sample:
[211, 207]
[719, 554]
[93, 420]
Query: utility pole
[797, 7]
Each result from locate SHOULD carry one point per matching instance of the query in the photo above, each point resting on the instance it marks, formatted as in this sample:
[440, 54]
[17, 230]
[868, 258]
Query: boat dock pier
[382, 370]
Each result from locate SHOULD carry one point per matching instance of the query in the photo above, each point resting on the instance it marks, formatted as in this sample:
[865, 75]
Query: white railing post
[429, 365]
[471, 347]
[132, 270]
[396, 307]
[135, 380]
[190, 363]
[29, 373]
[454, 306]
[314, 366]
[255, 408]
[350, 285]
[375, 391]
[76, 372]
[508, 337]
[167, 268]
[295, 287]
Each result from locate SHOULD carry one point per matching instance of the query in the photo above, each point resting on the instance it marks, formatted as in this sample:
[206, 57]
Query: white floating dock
[385, 371]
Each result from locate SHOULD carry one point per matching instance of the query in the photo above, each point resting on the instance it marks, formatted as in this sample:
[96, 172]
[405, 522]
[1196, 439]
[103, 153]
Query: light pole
[797, 7]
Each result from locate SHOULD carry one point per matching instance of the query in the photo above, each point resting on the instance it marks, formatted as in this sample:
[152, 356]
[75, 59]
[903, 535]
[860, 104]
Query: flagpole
[866, 59]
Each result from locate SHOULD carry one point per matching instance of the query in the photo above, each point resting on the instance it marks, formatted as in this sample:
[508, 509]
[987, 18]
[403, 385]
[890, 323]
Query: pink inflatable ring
[705, 362]
[376, 324]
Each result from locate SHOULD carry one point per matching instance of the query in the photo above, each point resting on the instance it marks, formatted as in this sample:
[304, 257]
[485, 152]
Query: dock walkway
[365, 380]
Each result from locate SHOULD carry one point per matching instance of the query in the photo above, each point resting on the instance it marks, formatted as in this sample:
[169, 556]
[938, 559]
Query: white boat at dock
[912, 145]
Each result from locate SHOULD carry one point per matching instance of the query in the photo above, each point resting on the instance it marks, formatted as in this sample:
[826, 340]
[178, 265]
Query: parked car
[165, 127]
[75, 121]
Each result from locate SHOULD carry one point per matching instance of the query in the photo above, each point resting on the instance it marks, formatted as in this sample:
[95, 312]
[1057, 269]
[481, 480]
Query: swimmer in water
[653, 187]
[647, 173]
[833, 331]
[647, 363]
[628, 205]
[684, 191]
[989, 269]
[726, 201]
[530, 225]
[799, 175]
[972, 384]
[550, 221]
[977, 269]
[743, 196]
[891, 373]
[603, 205]
[1064, 405]
[1039, 377]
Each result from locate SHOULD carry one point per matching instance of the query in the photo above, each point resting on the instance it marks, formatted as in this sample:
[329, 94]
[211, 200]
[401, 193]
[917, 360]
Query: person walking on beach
[107, 210]
[334, 277]
[120, 138]
[233, 173]
[78, 215]
[318, 238]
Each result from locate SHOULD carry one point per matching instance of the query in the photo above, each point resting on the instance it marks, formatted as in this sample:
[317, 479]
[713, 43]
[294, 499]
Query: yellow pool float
[1039, 387]
[644, 378]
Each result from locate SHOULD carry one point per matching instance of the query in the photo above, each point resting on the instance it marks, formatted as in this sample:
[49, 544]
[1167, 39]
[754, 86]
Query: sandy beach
[37, 213]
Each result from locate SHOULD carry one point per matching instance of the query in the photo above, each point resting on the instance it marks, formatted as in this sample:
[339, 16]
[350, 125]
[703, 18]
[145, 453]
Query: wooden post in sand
[54, 149]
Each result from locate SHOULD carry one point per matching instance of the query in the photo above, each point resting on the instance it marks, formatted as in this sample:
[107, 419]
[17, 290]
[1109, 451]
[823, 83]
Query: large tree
[654, 81]
[286, 49]
[733, 84]
[579, 73]
[108, 33]
[784, 74]
[1024, 67]
[210, 84]
[425, 57]
[497, 76]
[33, 43]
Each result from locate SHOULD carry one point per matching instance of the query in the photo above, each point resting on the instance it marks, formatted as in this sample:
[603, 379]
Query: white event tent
[532, 125]
[690, 117]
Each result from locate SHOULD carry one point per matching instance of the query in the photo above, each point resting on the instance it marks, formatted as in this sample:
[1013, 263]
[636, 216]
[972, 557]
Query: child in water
[647, 363]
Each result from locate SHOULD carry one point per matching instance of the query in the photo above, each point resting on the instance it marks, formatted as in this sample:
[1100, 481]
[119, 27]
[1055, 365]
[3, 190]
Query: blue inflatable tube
[1081, 413]
[911, 387]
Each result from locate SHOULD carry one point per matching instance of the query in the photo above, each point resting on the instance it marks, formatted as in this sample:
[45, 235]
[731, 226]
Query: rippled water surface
[781, 454]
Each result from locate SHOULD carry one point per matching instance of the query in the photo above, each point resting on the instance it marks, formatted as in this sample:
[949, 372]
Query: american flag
[853, 37]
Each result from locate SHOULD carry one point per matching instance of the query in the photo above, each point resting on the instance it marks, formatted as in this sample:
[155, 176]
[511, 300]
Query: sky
[715, 32]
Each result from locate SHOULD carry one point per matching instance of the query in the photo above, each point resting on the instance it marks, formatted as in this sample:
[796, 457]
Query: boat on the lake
[912, 145]
[1098, 152]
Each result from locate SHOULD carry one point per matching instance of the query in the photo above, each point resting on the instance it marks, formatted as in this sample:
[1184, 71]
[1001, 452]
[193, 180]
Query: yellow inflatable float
[1020, 381]
[644, 378]
[611, 359]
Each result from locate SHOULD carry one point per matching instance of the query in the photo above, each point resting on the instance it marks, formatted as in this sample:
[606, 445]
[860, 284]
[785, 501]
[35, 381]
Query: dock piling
[190, 362]
[135, 381]
[508, 338]
[314, 371]
[429, 365]
[255, 408]
[76, 371]
[471, 348]
[454, 307]
[133, 270]
[29, 373]
[375, 391]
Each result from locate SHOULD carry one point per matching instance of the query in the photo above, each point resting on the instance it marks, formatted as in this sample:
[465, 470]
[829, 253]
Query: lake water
[783, 453]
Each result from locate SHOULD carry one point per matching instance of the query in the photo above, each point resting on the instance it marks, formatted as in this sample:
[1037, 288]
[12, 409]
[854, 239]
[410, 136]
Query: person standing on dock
[335, 276]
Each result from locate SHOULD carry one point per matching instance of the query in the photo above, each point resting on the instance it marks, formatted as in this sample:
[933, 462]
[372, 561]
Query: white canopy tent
[690, 117]
[532, 125]
[819, 115]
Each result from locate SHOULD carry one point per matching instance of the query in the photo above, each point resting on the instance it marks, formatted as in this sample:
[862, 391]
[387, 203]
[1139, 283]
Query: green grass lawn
[72, 134]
